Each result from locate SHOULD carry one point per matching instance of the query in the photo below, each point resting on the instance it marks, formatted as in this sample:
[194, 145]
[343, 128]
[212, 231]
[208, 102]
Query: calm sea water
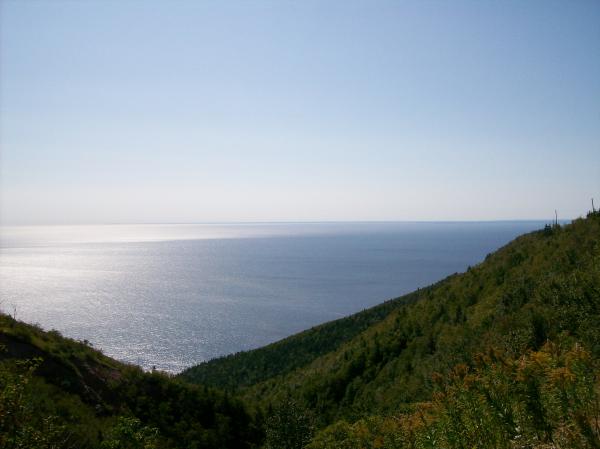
[172, 296]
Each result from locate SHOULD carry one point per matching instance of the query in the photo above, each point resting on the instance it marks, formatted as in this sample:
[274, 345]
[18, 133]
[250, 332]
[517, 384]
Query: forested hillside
[542, 287]
[59, 393]
[250, 367]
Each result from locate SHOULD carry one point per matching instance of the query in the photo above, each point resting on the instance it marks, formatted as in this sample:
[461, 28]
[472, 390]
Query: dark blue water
[172, 296]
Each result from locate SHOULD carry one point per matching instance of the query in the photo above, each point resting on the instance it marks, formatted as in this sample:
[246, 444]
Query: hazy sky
[138, 111]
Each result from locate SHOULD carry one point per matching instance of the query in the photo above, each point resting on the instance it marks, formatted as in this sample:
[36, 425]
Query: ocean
[171, 296]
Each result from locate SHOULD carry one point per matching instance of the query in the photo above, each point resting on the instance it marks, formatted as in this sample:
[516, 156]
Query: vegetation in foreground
[59, 393]
[502, 356]
[544, 399]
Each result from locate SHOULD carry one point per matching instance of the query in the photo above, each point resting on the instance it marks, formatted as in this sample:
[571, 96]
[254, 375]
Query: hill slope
[251, 367]
[543, 285]
[57, 392]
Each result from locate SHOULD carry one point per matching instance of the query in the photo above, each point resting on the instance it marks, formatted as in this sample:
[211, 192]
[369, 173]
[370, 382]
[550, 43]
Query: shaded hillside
[60, 386]
[543, 285]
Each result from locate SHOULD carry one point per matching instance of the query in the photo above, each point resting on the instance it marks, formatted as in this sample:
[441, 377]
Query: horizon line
[276, 222]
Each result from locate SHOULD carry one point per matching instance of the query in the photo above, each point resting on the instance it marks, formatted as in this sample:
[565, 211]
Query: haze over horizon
[129, 112]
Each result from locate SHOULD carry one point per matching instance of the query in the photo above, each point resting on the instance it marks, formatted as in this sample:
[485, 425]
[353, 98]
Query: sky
[218, 111]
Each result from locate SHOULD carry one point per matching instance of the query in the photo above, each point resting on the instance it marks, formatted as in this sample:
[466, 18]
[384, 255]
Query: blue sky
[136, 111]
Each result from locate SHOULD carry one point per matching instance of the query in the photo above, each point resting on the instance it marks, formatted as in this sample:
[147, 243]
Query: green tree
[130, 433]
[289, 426]
[20, 427]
